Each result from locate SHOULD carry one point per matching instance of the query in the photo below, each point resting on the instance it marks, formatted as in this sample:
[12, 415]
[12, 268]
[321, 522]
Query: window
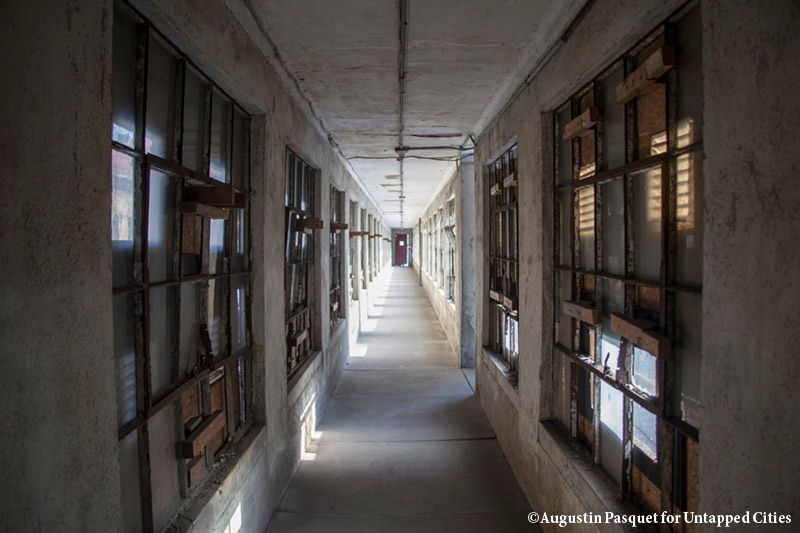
[181, 273]
[628, 253]
[337, 257]
[364, 249]
[503, 260]
[299, 276]
[353, 251]
[440, 249]
[450, 233]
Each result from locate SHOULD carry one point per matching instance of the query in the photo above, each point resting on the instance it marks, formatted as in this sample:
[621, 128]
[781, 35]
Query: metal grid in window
[299, 261]
[181, 272]
[337, 301]
[353, 257]
[503, 260]
[450, 234]
[628, 256]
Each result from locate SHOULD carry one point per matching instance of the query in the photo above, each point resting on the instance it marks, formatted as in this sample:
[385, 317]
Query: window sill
[301, 378]
[594, 488]
[237, 462]
[499, 371]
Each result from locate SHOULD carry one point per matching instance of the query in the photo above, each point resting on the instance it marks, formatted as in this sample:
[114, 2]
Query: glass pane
[163, 467]
[161, 226]
[125, 356]
[644, 431]
[240, 244]
[123, 224]
[161, 83]
[216, 245]
[130, 483]
[220, 137]
[613, 227]
[613, 302]
[584, 219]
[238, 313]
[190, 327]
[216, 326]
[647, 223]
[123, 90]
[194, 122]
[688, 355]
[644, 371]
[163, 344]
[613, 117]
[241, 148]
[564, 333]
[689, 214]
[611, 402]
[690, 79]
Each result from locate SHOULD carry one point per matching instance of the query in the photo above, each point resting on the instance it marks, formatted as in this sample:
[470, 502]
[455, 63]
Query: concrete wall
[751, 285]
[751, 289]
[447, 312]
[59, 448]
[58, 445]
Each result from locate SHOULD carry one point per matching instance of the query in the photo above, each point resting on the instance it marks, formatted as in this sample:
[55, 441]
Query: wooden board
[298, 339]
[496, 296]
[338, 226]
[191, 234]
[356, 233]
[218, 196]
[582, 123]
[641, 334]
[510, 181]
[193, 445]
[310, 223]
[510, 303]
[582, 311]
[495, 190]
[203, 210]
[644, 79]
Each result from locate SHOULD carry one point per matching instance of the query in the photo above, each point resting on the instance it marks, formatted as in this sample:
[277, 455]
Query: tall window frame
[300, 260]
[503, 290]
[336, 257]
[450, 233]
[353, 255]
[629, 265]
[181, 275]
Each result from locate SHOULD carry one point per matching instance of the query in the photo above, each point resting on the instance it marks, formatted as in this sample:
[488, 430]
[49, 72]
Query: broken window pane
[688, 356]
[220, 137]
[123, 103]
[123, 224]
[125, 356]
[611, 430]
[161, 79]
[613, 302]
[160, 229]
[644, 371]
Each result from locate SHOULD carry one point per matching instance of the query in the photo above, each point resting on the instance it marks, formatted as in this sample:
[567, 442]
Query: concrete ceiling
[464, 58]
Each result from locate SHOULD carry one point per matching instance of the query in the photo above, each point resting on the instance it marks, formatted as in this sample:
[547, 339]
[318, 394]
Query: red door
[400, 249]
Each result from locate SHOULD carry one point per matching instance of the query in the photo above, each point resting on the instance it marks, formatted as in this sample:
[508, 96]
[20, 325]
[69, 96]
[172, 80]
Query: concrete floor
[404, 445]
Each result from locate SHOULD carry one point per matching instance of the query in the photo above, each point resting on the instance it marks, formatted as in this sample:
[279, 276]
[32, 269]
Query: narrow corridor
[404, 445]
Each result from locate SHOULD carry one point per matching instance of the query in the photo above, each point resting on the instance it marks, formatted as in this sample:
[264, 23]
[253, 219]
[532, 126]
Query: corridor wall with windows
[607, 276]
[207, 255]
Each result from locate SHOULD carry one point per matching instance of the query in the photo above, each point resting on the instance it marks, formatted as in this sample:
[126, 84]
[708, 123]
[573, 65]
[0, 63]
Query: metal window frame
[336, 258]
[300, 261]
[503, 254]
[148, 405]
[672, 432]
